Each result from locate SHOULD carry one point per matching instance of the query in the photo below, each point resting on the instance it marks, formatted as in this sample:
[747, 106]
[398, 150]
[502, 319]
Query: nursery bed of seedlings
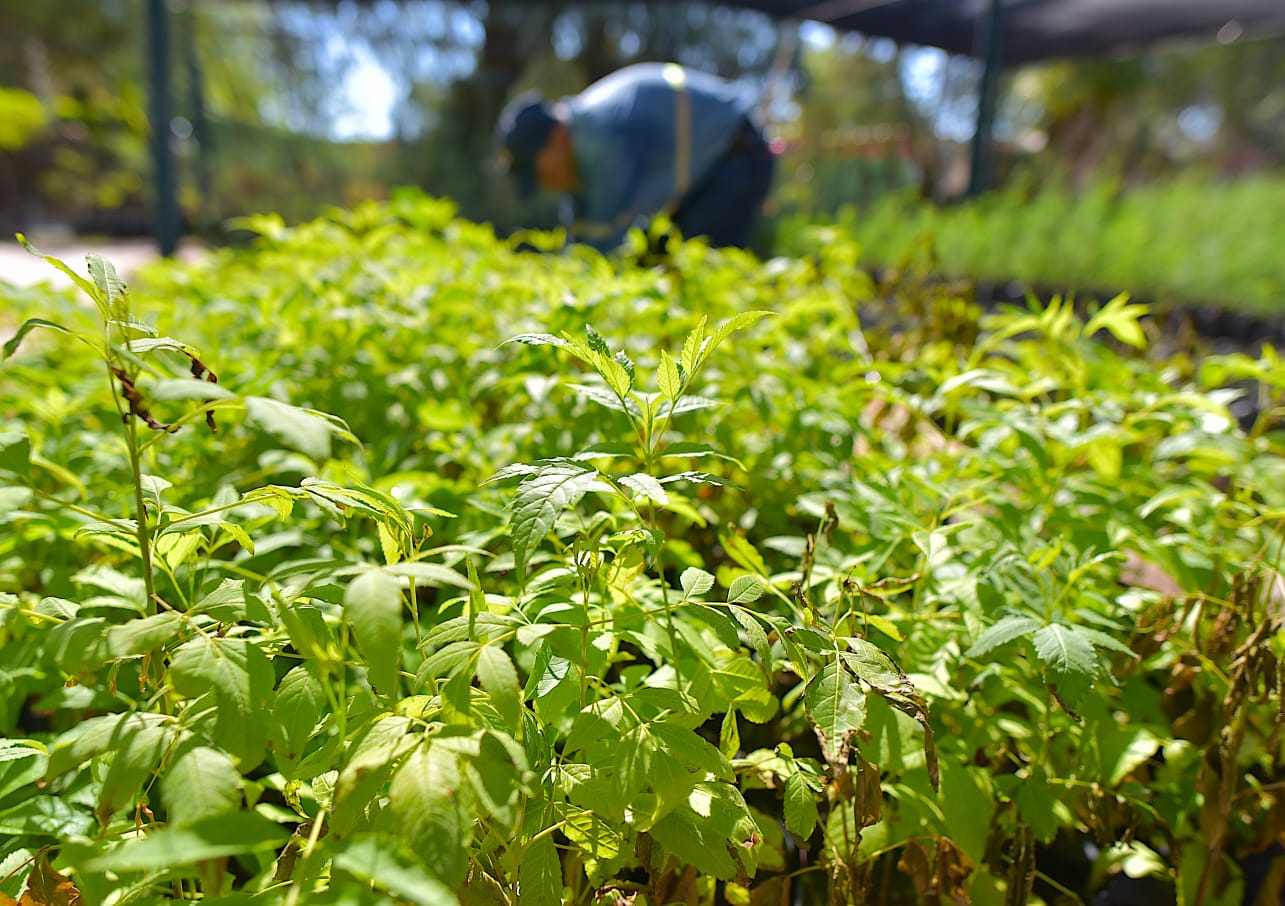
[381, 562]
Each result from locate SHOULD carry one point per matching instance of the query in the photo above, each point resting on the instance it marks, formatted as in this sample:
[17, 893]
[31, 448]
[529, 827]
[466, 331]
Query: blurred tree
[1217, 105]
[83, 66]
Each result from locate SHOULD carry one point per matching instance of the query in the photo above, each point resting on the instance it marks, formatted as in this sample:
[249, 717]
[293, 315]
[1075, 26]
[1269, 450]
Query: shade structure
[1003, 33]
[1034, 30]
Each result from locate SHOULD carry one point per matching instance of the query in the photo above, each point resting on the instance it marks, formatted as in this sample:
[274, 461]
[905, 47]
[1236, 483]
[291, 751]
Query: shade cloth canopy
[1032, 30]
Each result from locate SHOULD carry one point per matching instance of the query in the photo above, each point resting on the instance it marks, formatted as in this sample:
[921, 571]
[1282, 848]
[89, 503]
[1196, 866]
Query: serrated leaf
[499, 678]
[141, 636]
[645, 487]
[697, 478]
[373, 607]
[46, 816]
[1064, 650]
[145, 345]
[934, 545]
[537, 339]
[1003, 632]
[241, 678]
[540, 874]
[1103, 640]
[693, 450]
[743, 553]
[514, 470]
[745, 590]
[297, 708]
[202, 782]
[109, 283]
[424, 806]
[800, 807]
[756, 635]
[837, 708]
[94, 736]
[668, 380]
[596, 341]
[552, 683]
[740, 322]
[695, 581]
[605, 451]
[541, 498]
[234, 834]
[370, 760]
[617, 377]
[632, 764]
[133, 762]
[873, 666]
[626, 363]
[695, 347]
[709, 828]
[729, 735]
[23, 761]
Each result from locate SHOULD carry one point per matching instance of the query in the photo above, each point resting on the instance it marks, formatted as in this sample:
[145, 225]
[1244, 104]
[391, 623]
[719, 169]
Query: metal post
[200, 123]
[160, 113]
[983, 151]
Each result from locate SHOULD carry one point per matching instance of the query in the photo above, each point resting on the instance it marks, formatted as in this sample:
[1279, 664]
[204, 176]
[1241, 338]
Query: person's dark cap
[522, 130]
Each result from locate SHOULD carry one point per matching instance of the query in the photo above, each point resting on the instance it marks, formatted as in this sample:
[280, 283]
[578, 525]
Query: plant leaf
[389, 866]
[15, 453]
[1003, 632]
[541, 498]
[745, 590]
[668, 380]
[11, 345]
[1064, 650]
[212, 838]
[304, 430]
[645, 487]
[869, 662]
[604, 397]
[540, 874]
[201, 783]
[800, 807]
[373, 607]
[837, 707]
[241, 679]
[497, 675]
[423, 804]
[695, 581]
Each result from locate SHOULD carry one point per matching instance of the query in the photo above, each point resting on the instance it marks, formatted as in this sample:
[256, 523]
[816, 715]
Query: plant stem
[143, 530]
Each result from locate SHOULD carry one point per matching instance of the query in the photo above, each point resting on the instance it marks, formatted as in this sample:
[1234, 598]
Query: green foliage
[1153, 239]
[480, 576]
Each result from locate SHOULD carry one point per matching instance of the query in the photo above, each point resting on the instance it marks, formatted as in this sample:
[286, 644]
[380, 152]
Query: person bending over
[648, 139]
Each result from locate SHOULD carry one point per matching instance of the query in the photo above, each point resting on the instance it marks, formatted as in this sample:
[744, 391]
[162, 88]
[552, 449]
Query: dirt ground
[21, 268]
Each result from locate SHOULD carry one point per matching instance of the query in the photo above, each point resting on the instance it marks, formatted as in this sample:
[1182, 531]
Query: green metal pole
[161, 111]
[200, 123]
[983, 151]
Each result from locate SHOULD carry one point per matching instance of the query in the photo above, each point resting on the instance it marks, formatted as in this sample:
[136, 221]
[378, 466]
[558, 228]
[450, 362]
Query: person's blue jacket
[642, 137]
